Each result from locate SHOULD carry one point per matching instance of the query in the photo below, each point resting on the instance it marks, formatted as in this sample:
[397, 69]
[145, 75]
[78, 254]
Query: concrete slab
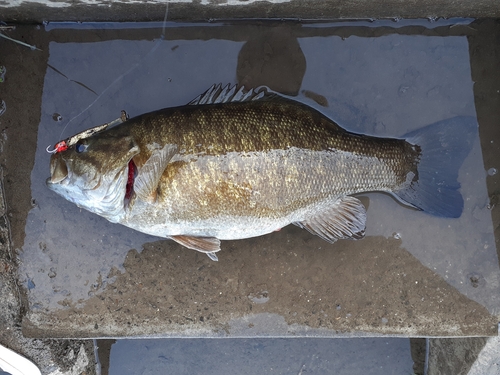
[485, 74]
[488, 360]
[467, 356]
[454, 356]
[264, 356]
[189, 10]
[413, 275]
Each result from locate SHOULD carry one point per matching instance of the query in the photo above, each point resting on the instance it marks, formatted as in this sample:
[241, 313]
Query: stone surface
[178, 10]
[142, 270]
[299, 356]
[207, 300]
[409, 276]
[21, 89]
[54, 357]
[488, 360]
[453, 356]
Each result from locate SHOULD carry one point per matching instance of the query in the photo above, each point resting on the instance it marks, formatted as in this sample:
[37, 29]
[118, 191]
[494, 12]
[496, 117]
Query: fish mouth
[58, 170]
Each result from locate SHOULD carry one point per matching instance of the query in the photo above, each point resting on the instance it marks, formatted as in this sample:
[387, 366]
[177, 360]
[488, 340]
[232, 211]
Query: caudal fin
[444, 146]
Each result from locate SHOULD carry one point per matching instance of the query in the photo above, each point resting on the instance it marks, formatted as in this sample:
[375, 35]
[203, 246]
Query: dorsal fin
[218, 94]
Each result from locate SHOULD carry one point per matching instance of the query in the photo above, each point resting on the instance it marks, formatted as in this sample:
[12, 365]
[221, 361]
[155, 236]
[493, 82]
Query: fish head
[93, 173]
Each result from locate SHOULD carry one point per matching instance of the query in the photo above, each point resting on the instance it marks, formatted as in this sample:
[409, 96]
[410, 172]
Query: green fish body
[231, 166]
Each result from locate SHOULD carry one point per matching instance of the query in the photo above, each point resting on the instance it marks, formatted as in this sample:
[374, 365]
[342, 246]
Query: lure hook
[61, 146]
[51, 151]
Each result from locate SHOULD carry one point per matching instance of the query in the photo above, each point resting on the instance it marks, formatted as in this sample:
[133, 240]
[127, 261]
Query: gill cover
[92, 173]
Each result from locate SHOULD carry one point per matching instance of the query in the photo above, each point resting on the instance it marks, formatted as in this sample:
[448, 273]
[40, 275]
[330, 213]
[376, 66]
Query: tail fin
[444, 147]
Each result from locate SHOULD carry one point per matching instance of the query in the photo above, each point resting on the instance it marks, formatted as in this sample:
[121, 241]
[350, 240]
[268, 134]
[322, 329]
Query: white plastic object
[15, 364]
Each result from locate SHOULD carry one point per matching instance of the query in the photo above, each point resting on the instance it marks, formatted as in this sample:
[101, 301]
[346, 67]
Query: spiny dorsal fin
[345, 219]
[219, 94]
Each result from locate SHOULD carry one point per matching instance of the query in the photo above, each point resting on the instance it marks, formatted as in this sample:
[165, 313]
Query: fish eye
[80, 147]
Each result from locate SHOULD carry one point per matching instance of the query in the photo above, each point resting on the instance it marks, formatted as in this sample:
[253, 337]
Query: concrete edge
[101, 10]
[261, 325]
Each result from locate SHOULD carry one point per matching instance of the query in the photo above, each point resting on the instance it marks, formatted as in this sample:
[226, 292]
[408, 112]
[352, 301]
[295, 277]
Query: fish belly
[246, 194]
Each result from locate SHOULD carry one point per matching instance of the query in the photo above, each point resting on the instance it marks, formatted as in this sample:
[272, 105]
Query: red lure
[60, 147]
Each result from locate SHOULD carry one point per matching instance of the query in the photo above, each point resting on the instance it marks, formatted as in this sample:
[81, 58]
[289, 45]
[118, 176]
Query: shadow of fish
[233, 165]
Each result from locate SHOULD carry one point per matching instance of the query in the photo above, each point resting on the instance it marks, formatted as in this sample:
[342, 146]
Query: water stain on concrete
[314, 288]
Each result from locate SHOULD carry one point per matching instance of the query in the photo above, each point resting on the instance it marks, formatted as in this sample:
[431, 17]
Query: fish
[236, 163]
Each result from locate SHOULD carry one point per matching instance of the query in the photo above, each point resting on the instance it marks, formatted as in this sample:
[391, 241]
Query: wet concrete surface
[51, 356]
[248, 298]
[21, 91]
[412, 275]
[453, 356]
[263, 356]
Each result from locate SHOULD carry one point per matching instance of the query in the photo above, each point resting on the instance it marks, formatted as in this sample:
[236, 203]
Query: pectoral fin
[345, 219]
[149, 174]
[208, 245]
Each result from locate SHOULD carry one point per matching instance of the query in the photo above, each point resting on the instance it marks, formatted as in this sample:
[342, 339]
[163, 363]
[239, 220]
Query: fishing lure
[68, 142]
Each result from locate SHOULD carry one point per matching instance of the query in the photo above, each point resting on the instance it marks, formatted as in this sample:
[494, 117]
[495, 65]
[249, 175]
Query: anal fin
[345, 219]
[213, 256]
[208, 245]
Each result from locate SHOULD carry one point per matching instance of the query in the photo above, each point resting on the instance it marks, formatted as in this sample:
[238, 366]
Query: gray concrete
[262, 356]
[467, 356]
[488, 359]
[54, 357]
[101, 10]
[409, 276]
[453, 356]
[24, 102]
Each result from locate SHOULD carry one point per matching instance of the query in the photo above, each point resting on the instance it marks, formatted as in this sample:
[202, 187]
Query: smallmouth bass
[231, 165]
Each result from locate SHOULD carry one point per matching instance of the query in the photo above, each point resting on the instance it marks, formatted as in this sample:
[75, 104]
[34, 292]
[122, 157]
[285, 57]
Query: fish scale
[263, 145]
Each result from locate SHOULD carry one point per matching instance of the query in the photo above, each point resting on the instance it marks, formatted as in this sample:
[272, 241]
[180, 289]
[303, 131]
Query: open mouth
[58, 169]
[132, 173]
